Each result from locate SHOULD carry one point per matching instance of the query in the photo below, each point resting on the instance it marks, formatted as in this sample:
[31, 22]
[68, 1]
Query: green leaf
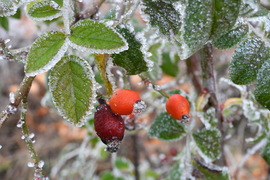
[225, 15]
[156, 72]
[249, 7]
[197, 27]
[211, 172]
[59, 2]
[247, 60]
[45, 52]
[132, 60]
[262, 89]
[231, 38]
[163, 15]
[17, 15]
[169, 64]
[107, 175]
[7, 7]
[72, 87]
[208, 141]
[122, 163]
[96, 37]
[266, 152]
[166, 128]
[4, 23]
[175, 172]
[44, 10]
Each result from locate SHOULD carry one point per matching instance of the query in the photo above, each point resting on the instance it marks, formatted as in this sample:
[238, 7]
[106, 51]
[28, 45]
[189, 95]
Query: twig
[19, 95]
[209, 83]
[28, 138]
[250, 152]
[66, 14]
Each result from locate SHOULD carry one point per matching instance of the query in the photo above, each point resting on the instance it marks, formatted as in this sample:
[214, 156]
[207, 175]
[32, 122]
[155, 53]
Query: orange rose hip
[123, 100]
[178, 107]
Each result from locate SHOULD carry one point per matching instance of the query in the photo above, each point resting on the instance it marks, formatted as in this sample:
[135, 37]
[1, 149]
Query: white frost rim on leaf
[10, 9]
[110, 75]
[90, 75]
[44, 3]
[98, 51]
[52, 62]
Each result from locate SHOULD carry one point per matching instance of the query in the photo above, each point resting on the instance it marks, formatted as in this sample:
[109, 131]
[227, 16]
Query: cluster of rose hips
[109, 124]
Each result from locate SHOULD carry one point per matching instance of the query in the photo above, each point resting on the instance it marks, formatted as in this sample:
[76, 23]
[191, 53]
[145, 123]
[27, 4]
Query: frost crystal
[139, 107]
[110, 76]
[30, 164]
[40, 164]
[20, 123]
[0, 146]
[11, 98]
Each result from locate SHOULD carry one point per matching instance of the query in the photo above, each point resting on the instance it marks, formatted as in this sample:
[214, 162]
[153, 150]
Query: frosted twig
[249, 153]
[65, 10]
[19, 95]
[209, 83]
[37, 164]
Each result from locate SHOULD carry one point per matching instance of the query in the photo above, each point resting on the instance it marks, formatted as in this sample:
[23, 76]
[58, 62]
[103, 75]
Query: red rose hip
[109, 127]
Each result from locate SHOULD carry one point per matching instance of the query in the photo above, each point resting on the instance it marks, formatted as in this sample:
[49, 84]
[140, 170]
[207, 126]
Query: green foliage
[175, 172]
[107, 175]
[122, 163]
[72, 89]
[262, 89]
[44, 10]
[208, 141]
[211, 172]
[132, 60]
[225, 15]
[96, 37]
[45, 52]
[231, 38]
[163, 15]
[4, 23]
[247, 60]
[166, 128]
[266, 152]
[170, 64]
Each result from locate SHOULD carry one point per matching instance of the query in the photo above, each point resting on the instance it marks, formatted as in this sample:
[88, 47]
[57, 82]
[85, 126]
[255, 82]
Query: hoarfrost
[250, 111]
[90, 75]
[11, 97]
[109, 74]
[40, 164]
[7, 8]
[20, 123]
[41, 4]
[1, 146]
[30, 164]
[138, 107]
[53, 61]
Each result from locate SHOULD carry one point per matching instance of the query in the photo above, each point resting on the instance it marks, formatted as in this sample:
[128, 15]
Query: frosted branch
[28, 138]
[65, 11]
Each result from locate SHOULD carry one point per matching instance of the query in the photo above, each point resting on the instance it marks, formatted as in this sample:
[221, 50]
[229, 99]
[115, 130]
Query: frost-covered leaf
[262, 89]
[96, 37]
[7, 7]
[170, 64]
[208, 141]
[132, 60]
[156, 73]
[231, 38]
[59, 2]
[166, 128]
[175, 173]
[17, 15]
[72, 87]
[45, 52]
[266, 152]
[4, 23]
[249, 7]
[225, 14]
[211, 172]
[247, 60]
[197, 27]
[261, 12]
[163, 15]
[43, 10]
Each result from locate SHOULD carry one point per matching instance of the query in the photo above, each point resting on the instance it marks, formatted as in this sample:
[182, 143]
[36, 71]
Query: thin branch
[136, 156]
[28, 138]
[209, 84]
[19, 95]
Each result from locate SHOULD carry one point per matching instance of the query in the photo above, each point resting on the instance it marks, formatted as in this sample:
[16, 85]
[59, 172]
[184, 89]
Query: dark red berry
[109, 126]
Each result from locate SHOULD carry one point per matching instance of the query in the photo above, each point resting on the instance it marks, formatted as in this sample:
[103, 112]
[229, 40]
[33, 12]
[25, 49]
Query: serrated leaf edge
[100, 51]
[48, 18]
[90, 74]
[52, 62]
